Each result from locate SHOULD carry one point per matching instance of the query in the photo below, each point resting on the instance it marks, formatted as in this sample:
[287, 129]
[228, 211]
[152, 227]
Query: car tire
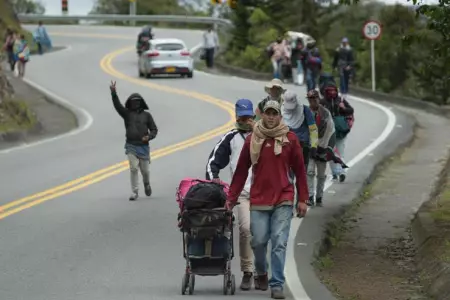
[148, 75]
[141, 74]
[190, 74]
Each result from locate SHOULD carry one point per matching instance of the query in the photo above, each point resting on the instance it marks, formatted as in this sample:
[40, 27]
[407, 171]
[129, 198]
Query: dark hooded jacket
[138, 123]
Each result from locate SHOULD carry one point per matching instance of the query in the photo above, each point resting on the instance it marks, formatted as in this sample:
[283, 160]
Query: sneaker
[319, 202]
[148, 190]
[310, 201]
[342, 178]
[335, 177]
[134, 196]
[277, 294]
[246, 283]
[262, 282]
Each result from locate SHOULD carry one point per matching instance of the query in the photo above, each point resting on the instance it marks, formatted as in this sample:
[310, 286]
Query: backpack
[201, 194]
[343, 124]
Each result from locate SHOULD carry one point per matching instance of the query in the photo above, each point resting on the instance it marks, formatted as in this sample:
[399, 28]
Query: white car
[166, 56]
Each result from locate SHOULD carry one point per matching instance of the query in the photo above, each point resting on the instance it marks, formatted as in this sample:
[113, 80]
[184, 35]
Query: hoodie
[138, 123]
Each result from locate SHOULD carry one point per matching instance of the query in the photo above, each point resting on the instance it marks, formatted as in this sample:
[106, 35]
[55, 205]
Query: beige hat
[274, 82]
[273, 105]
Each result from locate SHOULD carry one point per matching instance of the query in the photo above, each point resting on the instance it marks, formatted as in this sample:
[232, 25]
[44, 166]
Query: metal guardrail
[124, 18]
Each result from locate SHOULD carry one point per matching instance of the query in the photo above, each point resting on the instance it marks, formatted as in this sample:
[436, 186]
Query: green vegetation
[8, 18]
[15, 115]
[412, 56]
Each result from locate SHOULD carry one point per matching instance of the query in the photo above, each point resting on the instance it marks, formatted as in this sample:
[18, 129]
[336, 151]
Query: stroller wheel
[232, 284]
[184, 283]
[191, 284]
[225, 284]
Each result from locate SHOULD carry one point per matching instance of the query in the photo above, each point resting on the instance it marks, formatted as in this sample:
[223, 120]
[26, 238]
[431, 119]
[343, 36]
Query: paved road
[94, 243]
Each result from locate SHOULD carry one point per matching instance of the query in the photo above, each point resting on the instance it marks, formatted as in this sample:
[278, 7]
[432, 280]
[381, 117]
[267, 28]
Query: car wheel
[141, 74]
[148, 75]
[190, 74]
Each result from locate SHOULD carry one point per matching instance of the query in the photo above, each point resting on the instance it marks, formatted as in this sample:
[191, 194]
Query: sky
[83, 7]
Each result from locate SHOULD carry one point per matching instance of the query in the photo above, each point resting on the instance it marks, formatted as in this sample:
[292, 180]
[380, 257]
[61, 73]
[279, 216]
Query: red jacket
[271, 184]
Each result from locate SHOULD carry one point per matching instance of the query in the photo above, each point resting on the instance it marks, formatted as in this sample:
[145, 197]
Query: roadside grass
[15, 115]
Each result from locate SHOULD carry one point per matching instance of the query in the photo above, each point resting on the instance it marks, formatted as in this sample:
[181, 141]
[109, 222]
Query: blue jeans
[344, 77]
[273, 225]
[336, 169]
[310, 79]
[276, 64]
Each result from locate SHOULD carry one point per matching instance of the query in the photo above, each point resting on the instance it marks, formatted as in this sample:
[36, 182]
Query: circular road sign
[372, 30]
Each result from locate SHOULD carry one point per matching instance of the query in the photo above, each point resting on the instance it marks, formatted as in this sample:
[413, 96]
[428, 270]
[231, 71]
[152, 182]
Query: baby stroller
[207, 230]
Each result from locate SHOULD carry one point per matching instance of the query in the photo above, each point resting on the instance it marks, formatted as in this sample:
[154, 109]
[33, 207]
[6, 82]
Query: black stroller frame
[208, 265]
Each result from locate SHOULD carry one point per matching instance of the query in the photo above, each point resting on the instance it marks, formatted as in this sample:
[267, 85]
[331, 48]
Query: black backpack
[205, 195]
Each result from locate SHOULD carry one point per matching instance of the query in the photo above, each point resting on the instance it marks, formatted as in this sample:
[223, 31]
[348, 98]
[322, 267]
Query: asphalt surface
[94, 243]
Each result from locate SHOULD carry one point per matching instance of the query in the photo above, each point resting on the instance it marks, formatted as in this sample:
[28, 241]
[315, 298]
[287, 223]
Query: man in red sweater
[271, 151]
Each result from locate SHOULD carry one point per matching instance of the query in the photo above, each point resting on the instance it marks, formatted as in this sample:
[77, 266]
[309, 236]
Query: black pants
[209, 57]
[306, 149]
[11, 60]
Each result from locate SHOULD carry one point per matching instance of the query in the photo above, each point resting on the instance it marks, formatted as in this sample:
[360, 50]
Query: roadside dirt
[51, 119]
[373, 256]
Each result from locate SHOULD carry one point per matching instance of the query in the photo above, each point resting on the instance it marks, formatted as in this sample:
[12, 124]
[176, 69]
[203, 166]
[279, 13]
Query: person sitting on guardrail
[140, 128]
[344, 62]
[271, 151]
[226, 152]
[275, 90]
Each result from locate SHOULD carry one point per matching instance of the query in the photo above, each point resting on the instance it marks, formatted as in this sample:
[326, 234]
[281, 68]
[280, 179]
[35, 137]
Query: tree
[154, 7]
[28, 7]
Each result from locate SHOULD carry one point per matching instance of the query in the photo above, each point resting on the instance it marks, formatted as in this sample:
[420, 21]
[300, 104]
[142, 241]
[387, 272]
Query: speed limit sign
[372, 30]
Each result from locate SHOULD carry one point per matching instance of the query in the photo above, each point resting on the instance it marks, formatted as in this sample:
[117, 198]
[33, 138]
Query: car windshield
[169, 47]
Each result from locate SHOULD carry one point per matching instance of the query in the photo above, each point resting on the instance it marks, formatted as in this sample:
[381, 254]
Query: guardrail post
[132, 11]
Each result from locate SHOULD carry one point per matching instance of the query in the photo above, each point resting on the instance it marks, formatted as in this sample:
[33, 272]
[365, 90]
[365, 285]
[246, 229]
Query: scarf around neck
[293, 118]
[261, 133]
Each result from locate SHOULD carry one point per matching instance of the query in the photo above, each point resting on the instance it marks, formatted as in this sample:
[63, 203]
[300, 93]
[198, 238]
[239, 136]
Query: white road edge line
[292, 278]
[84, 119]
[291, 268]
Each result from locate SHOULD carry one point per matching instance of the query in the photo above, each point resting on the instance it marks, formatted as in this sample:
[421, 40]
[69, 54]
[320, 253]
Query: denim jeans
[344, 78]
[336, 169]
[273, 225]
[310, 79]
[276, 64]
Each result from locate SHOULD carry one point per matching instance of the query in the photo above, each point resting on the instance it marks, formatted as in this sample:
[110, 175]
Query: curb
[434, 272]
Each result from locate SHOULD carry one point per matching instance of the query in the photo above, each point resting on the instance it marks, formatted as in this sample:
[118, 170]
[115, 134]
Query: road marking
[292, 276]
[102, 174]
[291, 268]
[84, 119]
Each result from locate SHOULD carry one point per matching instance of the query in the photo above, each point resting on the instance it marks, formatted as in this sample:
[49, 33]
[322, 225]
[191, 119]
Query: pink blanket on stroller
[187, 183]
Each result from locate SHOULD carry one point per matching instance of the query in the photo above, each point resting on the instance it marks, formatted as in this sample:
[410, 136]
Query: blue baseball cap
[244, 107]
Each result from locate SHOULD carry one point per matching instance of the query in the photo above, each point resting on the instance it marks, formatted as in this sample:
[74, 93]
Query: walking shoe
[277, 294]
[246, 283]
[342, 178]
[134, 196]
[261, 282]
[310, 201]
[148, 190]
[335, 177]
[319, 202]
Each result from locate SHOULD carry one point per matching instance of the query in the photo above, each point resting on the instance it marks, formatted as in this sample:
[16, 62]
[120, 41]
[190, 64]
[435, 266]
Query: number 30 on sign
[372, 30]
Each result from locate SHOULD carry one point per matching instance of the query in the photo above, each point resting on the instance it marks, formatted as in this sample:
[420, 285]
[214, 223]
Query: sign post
[132, 11]
[372, 32]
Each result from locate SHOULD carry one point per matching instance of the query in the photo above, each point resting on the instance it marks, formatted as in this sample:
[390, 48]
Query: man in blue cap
[226, 152]
[344, 62]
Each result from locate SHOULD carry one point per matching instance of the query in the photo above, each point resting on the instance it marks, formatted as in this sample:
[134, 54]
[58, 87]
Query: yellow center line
[106, 64]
